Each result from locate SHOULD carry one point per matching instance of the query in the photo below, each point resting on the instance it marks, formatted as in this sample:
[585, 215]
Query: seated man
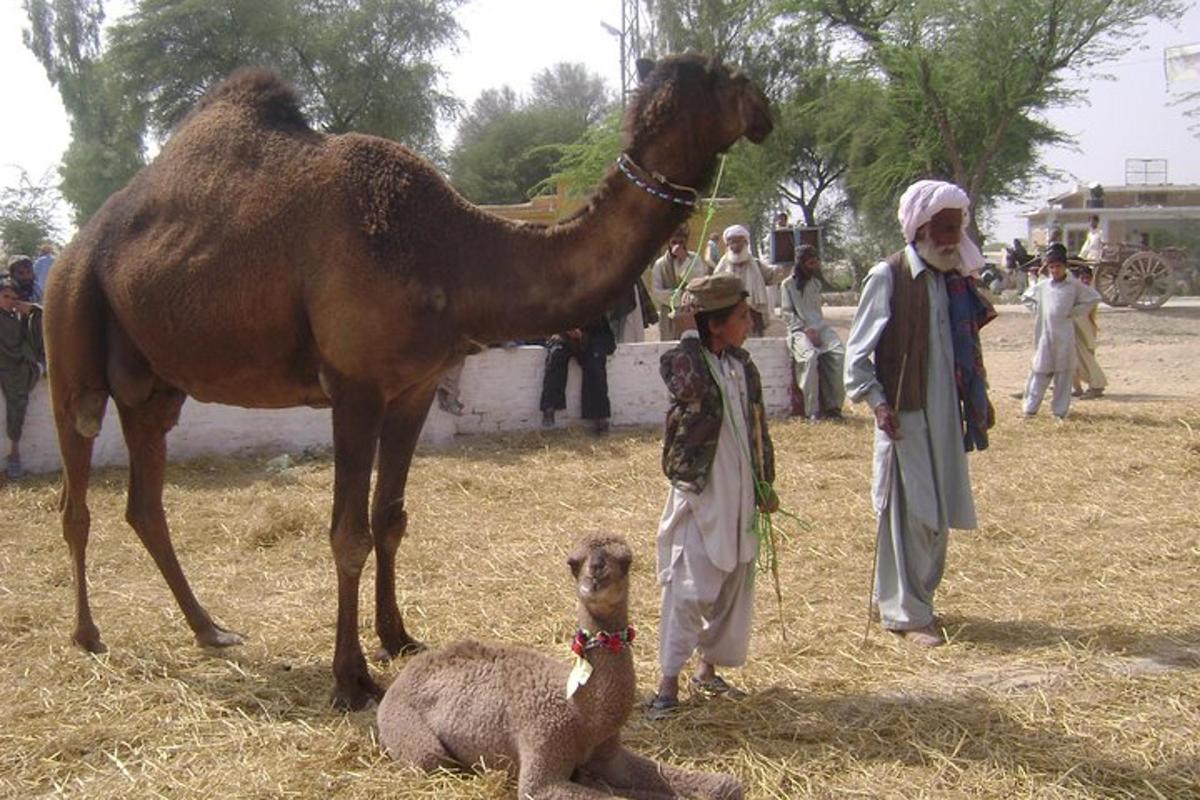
[21, 358]
[590, 346]
[815, 346]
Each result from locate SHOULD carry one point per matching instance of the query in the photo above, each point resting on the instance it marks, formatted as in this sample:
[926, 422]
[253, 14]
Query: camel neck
[546, 280]
[613, 622]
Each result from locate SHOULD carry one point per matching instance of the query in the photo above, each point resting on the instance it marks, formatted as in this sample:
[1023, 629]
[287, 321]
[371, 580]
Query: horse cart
[1129, 275]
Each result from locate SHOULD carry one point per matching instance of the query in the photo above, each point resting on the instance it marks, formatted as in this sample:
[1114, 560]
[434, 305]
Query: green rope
[708, 215]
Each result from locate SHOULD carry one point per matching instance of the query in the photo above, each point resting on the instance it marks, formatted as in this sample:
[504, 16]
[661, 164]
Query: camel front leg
[544, 777]
[402, 424]
[631, 775]
[357, 417]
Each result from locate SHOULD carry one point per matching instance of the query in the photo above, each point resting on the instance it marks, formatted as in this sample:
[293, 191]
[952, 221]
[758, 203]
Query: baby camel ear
[624, 561]
[574, 562]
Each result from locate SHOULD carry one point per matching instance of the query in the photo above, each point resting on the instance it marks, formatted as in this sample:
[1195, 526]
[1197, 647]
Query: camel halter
[655, 184]
[585, 640]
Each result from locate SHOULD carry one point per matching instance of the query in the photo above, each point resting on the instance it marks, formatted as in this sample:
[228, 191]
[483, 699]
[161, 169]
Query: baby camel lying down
[509, 706]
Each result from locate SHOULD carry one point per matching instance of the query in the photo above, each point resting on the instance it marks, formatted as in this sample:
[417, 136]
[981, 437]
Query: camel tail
[276, 101]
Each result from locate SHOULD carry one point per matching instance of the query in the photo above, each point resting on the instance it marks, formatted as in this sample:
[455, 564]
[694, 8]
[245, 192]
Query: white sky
[509, 40]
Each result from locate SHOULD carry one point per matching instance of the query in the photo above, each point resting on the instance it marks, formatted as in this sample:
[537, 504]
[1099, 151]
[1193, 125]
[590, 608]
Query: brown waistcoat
[902, 355]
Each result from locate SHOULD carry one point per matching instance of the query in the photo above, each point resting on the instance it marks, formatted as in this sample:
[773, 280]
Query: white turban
[735, 230]
[922, 200]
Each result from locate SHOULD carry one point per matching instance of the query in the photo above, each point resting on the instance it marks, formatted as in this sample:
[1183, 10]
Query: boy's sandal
[660, 707]
[714, 686]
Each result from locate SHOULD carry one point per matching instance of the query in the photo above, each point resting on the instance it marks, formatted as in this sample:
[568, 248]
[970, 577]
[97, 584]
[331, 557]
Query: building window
[1150, 199]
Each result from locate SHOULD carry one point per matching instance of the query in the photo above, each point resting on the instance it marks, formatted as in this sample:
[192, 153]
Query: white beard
[739, 258]
[945, 259]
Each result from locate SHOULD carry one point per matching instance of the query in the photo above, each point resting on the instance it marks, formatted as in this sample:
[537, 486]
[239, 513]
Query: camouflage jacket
[694, 419]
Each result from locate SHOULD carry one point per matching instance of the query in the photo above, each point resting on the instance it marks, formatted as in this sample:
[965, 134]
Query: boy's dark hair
[718, 316]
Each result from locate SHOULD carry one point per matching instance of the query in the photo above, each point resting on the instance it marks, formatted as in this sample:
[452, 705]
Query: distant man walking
[901, 358]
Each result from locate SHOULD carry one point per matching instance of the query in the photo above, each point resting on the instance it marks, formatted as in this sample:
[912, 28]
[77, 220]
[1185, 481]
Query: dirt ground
[1145, 355]
[1072, 615]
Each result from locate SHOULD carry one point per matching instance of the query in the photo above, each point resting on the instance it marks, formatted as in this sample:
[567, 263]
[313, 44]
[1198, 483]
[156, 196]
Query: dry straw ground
[1073, 614]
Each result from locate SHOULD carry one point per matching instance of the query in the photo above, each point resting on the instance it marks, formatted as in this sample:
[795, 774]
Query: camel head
[600, 563]
[687, 109]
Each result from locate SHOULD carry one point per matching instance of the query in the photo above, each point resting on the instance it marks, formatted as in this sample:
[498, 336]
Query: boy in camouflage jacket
[718, 456]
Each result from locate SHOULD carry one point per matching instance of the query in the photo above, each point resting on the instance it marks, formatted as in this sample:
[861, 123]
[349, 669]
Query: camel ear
[574, 562]
[624, 560]
[644, 67]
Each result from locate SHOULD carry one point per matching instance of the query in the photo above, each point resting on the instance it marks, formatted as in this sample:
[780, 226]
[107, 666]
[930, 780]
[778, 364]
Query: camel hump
[276, 101]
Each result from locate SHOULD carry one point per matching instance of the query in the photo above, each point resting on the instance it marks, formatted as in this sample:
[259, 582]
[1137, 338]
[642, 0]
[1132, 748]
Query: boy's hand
[770, 503]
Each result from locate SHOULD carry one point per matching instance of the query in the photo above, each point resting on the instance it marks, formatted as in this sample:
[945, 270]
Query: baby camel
[506, 706]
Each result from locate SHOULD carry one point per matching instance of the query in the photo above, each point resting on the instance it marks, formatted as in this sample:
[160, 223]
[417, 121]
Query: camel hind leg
[75, 343]
[76, 522]
[145, 427]
[407, 737]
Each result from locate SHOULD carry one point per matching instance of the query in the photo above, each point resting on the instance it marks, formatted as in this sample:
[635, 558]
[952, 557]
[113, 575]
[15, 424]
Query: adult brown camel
[258, 263]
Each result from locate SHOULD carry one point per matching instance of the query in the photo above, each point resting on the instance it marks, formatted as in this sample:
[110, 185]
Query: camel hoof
[219, 637]
[89, 640]
[359, 695]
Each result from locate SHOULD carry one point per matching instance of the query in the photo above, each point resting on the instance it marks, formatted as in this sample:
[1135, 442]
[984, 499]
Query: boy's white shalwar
[707, 547]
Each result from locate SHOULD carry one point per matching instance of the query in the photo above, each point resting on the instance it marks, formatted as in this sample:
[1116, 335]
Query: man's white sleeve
[874, 311]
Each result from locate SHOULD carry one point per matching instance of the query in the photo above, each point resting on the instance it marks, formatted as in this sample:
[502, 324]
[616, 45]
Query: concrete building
[1149, 215]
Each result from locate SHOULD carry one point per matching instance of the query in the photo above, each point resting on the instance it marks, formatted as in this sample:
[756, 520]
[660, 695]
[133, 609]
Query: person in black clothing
[590, 346]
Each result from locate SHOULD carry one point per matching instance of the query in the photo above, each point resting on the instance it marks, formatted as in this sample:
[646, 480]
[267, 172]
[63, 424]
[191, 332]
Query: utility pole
[630, 37]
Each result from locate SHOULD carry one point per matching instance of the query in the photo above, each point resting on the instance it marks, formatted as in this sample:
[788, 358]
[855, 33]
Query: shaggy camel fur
[505, 706]
[258, 263]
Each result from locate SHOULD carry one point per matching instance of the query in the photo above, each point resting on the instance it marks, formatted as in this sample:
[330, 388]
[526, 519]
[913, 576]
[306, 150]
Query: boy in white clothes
[1055, 302]
[719, 459]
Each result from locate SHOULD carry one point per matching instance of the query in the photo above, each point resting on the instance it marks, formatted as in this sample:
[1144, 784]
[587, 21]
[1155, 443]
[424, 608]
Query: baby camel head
[600, 563]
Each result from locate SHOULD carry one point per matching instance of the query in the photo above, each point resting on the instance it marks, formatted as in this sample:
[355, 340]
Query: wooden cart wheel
[1104, 279]
[1146, 280]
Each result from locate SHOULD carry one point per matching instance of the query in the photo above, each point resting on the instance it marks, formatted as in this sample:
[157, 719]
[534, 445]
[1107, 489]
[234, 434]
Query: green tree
[27, 215]
[507, 148]
[106, 121]
[965, 84]
[727, 29]
[363, 65]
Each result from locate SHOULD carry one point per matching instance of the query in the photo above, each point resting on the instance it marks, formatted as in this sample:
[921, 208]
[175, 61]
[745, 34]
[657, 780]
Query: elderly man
[674, 268]
[815, 346]
[901, 359]
[755, 275]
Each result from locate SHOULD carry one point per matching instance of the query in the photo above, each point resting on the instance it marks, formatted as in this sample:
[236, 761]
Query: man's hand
[814, 336]
[887, 421]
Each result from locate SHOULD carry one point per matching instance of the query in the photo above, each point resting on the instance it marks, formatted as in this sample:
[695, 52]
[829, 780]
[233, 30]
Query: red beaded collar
[613, 642]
